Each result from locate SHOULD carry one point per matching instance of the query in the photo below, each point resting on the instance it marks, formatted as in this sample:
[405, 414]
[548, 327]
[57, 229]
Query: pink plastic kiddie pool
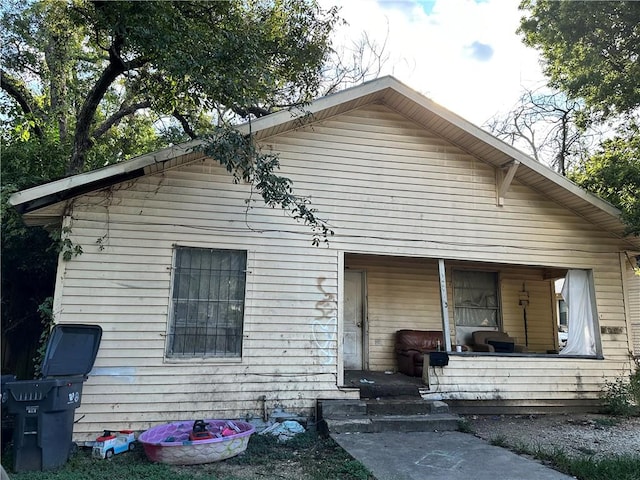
[172, 442]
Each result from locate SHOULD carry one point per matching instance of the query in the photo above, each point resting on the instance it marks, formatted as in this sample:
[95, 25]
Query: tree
[352, 65]
[613, 173]
[547, 126]
[29, 256]
[83, 67]
[591, 50]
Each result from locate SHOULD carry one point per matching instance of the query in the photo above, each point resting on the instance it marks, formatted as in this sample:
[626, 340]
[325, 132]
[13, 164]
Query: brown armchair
[410, 347]
[494, 341]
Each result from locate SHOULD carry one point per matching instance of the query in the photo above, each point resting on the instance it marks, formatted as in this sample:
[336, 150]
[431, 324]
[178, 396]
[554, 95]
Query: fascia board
[95, 176]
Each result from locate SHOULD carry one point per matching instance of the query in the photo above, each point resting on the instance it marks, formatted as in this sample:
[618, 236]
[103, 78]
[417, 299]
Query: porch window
[476, 299]
[207, 303]
[582, 338]
[562, 311]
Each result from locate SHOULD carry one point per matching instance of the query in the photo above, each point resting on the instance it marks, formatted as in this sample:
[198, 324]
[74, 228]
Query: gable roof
[387, 91]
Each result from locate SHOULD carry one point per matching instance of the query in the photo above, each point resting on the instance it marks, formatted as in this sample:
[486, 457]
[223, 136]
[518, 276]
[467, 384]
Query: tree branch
[81, 141]
[185, 124]
[254, 110]
[20, 94]
[119, 115]
[115, 68]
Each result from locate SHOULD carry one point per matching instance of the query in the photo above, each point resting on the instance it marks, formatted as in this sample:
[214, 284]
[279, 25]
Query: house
[218, 308]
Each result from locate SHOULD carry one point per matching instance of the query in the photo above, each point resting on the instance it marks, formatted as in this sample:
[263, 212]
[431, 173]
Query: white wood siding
[290, 330]
[526, 382]
[386, 187]
[633, 294]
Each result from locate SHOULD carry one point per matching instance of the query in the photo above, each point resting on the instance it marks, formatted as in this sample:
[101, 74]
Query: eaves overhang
[387, 91]
[59, 191]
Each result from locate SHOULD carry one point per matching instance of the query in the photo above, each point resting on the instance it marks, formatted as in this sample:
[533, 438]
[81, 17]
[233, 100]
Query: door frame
[365, 323]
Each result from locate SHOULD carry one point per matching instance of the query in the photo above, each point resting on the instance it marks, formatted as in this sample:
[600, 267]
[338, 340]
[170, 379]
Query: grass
[618, 467]
[585, 467]
[465, 426]
[607, 421]
[307, 456]
[499, 441]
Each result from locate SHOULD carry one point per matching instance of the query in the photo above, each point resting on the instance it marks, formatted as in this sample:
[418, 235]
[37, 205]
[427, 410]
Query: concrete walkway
[441, 456]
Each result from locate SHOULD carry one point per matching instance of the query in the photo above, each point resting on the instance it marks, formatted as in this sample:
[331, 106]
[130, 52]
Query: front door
[352, 339]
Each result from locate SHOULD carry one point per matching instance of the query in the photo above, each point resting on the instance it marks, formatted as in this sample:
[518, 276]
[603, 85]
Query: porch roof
[44, 204]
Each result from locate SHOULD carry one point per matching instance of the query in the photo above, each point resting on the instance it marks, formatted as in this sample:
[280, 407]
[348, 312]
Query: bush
[622, 396]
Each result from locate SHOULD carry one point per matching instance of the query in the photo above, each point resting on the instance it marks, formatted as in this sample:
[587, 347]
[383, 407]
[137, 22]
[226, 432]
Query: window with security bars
[207, 303]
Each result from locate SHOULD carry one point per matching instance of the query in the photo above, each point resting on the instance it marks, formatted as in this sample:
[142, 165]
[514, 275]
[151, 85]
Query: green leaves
[591, 49]
[613, 173]
[99, 62]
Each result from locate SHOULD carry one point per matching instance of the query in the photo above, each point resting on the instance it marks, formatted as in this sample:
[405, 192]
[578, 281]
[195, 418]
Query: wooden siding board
[389, 187]
[533, 220]
[633, 295]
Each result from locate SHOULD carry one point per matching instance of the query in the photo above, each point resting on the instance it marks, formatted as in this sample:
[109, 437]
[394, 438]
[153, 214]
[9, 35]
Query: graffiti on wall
[325, 323]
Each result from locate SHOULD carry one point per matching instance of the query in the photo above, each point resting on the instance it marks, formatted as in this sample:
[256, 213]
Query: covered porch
[385, 294]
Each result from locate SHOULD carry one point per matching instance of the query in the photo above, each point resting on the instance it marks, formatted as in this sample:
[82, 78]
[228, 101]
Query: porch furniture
[411, 346]
[494, 341]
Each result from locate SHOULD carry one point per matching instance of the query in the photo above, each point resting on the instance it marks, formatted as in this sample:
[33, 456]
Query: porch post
[445, 305]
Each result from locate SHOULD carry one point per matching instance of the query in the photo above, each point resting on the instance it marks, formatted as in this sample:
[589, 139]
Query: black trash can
[7, 418]
[44, 409]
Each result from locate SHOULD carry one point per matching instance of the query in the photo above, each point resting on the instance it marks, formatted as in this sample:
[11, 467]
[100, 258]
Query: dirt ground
[576, 434]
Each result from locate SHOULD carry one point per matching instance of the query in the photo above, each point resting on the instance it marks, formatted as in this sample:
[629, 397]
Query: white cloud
[463, 54]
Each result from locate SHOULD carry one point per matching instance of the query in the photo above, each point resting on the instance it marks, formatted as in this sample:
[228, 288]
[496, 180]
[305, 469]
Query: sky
[463, 54]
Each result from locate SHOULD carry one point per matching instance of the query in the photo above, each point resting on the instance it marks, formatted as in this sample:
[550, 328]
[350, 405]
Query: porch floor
[381, 384]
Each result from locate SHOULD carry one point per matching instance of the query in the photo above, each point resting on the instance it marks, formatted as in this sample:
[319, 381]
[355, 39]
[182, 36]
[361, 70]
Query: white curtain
[581, 326]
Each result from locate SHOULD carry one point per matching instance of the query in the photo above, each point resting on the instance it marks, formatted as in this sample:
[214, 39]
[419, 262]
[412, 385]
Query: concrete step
[379, 390]
[393, 423]
[382, 406]
[341, 408]
[374, 384]
[401, 406]
[385, 415]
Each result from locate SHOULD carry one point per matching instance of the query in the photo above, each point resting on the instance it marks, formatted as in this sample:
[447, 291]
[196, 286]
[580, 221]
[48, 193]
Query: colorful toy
[108, 444]
[200, 431]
